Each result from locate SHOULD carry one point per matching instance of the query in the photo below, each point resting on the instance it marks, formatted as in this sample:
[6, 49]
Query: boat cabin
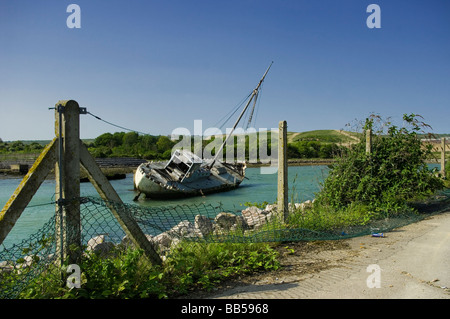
[182, 164]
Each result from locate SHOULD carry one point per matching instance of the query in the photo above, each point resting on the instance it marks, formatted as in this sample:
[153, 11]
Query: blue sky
[154, 66]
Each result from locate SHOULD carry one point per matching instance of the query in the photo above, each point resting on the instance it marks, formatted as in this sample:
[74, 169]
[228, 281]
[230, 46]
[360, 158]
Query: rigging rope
[232, 112]
[228, 117]
[107, 122]
[259, 103]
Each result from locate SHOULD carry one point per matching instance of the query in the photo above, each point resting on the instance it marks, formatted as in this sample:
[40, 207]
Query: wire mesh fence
[166, 228]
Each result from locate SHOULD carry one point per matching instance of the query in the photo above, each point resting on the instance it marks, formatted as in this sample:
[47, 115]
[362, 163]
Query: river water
[304, 182]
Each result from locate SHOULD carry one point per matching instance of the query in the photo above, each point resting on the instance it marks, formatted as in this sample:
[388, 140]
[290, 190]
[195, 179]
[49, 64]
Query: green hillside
[324, 136]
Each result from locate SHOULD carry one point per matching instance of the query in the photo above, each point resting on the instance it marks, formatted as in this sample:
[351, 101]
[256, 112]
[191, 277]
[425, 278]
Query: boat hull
[147, 181]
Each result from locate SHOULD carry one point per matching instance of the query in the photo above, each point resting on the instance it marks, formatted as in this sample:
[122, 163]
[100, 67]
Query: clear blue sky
[154, 66]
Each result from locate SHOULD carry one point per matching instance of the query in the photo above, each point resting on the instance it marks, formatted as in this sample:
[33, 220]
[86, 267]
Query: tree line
[20, 147]
[159, 147]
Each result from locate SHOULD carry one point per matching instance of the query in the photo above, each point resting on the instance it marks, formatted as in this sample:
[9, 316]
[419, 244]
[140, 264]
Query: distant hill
[325, 136]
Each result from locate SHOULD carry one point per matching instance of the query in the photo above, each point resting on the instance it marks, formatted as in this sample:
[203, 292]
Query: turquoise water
[304, 182]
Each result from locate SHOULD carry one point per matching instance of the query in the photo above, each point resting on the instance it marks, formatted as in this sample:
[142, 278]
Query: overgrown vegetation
[364, 187]
[447, 175]
[394, 172]
[325, 218]
[128, 274]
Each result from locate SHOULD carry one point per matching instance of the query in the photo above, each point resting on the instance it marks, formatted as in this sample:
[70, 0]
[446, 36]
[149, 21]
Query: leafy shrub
[394, 172]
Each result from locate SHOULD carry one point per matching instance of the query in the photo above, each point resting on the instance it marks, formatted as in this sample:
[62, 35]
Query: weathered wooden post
[369, 141]
[26, 189]
[107, 193]
[443, 156]
[67, 176]
[282, 205]
[68, 152]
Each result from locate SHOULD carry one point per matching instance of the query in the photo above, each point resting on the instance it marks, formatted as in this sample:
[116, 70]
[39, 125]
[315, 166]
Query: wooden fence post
[369, 141]
[66, 153]
[67, 176]
[282, 205]
[443, 156]
[27, 188]
[110, 196]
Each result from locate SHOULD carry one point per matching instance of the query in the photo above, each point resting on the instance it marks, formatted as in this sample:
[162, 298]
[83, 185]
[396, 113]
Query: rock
[94, 241]
[98, 245]
[204, 225]
[128, 243]
[240, 223]
[27, 261]
[184, 229]
[254, 217]
[270, 208]
[168, 240]
[163, 241]
[175, 242]
[6, 266]
[305, 205]
[253, 210]
[225, 220]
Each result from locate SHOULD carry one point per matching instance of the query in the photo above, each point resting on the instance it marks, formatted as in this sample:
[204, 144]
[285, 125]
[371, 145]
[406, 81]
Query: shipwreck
[186, 174]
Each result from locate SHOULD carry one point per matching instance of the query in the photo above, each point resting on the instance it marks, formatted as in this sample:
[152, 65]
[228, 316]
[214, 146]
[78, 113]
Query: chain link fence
[167, 227]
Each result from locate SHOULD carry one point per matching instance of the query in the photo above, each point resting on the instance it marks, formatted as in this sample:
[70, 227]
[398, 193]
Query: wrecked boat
[186, 174]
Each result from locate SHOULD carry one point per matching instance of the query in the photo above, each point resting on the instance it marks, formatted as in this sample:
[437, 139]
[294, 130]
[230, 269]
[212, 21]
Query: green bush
[394, 172]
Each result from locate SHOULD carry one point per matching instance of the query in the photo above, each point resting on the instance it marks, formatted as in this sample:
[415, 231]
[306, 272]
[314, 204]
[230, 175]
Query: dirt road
[409, 262]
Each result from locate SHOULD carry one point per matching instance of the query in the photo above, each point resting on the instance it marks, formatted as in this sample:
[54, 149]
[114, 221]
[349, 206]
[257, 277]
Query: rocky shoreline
[251, 220]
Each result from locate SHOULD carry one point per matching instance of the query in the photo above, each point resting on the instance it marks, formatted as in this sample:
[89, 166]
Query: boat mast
[255, 92]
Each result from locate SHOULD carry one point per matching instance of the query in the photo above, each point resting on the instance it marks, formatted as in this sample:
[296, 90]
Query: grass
[325, 218]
